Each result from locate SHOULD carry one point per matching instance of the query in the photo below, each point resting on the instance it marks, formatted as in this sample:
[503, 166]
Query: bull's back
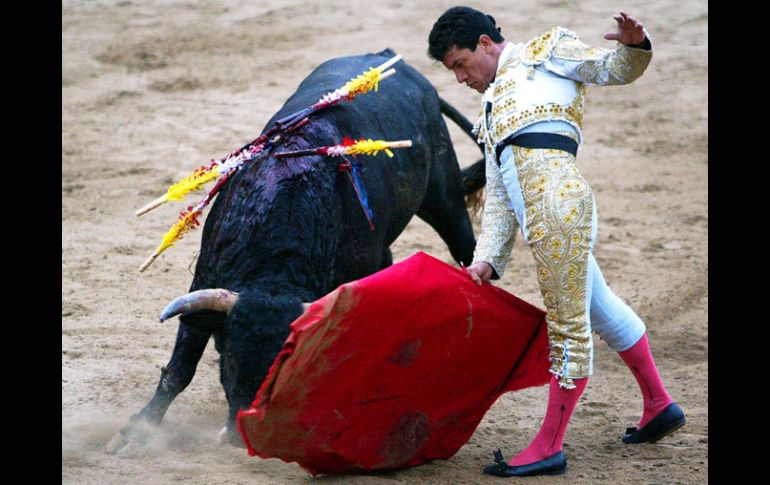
[405, 107]
[240, 240]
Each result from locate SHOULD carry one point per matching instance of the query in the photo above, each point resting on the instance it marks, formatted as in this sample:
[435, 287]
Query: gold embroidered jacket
[542, 80]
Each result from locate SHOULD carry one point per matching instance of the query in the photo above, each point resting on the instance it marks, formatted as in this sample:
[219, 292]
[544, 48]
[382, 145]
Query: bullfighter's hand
[480, 272]
[630, 32]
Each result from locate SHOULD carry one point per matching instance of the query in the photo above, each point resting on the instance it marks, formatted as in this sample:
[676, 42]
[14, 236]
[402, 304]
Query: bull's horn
[217, 299]
[305, 305]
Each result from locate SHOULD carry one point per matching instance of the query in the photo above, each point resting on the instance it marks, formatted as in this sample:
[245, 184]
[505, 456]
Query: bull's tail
[461, 121]
[474, 176]
[474, 179]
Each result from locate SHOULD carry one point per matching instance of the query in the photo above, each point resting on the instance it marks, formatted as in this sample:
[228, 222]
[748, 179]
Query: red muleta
[394, 370]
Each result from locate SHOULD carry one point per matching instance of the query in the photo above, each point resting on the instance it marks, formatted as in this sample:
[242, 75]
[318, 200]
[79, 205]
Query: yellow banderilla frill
[192, 182]
[372, 147]
[187, 221]
[364, 82]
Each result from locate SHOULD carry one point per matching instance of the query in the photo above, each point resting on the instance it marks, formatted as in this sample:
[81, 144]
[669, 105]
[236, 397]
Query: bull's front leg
[174, 378]
[248, 362]
[387, 259]
[258, 326]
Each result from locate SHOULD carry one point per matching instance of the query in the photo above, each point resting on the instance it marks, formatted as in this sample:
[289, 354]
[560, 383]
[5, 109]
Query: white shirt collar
[504, 54]
[488, 94]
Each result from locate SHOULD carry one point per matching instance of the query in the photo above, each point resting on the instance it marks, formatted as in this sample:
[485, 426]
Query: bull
[284, 231]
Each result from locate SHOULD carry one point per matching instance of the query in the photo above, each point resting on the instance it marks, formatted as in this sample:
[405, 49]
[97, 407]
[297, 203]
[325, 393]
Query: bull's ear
[205, 320]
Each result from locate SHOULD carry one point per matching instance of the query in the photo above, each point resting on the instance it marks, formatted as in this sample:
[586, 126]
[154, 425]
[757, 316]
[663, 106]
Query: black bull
[287, 231]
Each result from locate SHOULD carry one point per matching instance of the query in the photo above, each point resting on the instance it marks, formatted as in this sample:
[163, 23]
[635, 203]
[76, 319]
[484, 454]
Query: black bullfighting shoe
[666, 422]
[555, 464]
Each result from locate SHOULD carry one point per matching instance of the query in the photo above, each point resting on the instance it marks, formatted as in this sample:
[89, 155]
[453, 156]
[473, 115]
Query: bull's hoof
[229, 434]
[131, 441]
[117, 443]
[222, 436]
[125, 447]
[237, 441]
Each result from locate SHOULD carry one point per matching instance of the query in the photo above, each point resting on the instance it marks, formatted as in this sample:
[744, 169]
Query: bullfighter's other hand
[630, 32]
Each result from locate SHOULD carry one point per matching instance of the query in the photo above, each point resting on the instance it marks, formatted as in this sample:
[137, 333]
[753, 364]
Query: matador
[531, 128]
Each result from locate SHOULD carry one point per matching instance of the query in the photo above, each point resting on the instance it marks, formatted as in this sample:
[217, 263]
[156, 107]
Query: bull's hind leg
[443, 208]
[174, 378]
[452, 223]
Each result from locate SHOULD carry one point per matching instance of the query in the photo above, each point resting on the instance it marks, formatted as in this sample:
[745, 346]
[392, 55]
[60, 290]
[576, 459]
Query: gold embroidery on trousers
[559, 208]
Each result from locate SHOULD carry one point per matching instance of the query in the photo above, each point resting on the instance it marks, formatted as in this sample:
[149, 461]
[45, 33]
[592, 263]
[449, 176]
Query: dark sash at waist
[539, 140]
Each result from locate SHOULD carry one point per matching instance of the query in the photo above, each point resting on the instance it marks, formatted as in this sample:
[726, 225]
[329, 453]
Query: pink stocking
[639, 359]
[548, 441]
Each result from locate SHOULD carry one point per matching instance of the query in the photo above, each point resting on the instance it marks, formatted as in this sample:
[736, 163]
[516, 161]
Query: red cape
[394, 370]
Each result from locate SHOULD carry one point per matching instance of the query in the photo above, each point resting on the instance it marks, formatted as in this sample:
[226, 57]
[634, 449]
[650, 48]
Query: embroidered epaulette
[540, 48]
[573, 49]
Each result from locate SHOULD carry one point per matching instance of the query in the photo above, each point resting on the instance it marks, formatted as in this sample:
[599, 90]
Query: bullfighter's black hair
[462, 27]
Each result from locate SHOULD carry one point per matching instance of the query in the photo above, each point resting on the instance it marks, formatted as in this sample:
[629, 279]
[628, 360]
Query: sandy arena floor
[151, 89]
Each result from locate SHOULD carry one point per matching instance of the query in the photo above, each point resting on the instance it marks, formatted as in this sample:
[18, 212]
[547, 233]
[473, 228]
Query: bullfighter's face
[477, 68]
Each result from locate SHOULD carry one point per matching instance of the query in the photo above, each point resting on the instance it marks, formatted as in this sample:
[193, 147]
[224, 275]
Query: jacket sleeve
[498, 223]
[573, 59]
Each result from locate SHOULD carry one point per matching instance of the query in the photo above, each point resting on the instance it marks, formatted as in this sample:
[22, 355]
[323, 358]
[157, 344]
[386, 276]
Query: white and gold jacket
[542, 80]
